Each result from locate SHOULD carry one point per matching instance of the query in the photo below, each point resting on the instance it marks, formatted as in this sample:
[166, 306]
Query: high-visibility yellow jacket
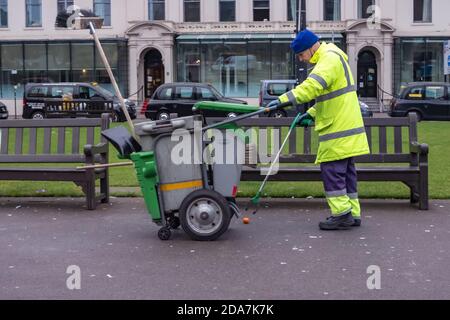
[337, 113]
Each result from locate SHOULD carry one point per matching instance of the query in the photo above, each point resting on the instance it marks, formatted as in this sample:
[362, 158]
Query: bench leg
[415, 196]
[104, 188]
[423, 187]
[90, 195]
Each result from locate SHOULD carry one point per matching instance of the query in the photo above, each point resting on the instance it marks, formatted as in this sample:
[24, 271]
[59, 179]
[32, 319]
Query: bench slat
[33, 141]
[383, 140]
[369, 137]
[293, 142]
[19, 142]
[61, 140]
[4, 141]
[47, 140]
[42, 158]
[307, 141]
[90, 136]
[51, 123]
[398, 142]
[75, 140]
[372, 158]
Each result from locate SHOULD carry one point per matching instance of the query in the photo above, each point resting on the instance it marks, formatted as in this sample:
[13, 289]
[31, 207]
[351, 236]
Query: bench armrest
[91, 152]
[419, 148]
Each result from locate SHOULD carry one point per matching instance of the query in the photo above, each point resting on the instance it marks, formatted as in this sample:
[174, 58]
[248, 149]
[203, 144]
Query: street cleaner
[338, 122]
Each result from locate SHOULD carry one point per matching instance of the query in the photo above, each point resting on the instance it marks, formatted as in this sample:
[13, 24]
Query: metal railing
[138, 97]
[381, 96]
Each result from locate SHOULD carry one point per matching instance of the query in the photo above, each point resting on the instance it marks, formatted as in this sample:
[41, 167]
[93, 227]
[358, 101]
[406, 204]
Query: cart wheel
[174, 223]
[164, 234]
[205, 215]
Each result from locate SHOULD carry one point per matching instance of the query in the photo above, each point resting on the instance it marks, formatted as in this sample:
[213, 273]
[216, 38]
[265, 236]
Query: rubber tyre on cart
[205, 215]
[164, 234]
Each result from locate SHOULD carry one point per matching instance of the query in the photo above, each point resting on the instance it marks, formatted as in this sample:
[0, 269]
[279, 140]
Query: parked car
[272, 89]
[429, 100]
[71, 100]
[3, 111]
[180, 98]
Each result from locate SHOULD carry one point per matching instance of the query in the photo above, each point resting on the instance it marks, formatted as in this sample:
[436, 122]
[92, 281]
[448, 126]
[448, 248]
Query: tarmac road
[280, 255]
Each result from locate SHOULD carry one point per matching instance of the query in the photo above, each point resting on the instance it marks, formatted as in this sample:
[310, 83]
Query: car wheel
[418, 114]
[278, 114]
[163, 115]
[38, 115]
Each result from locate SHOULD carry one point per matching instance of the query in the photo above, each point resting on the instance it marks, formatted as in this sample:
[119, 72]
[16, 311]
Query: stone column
[352, 54]
[387, 84]
[133, 68]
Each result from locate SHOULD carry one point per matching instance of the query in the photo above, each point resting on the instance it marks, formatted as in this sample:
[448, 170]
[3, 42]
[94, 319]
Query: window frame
[151, 6]
[415, 5]
[220, 10]
[4, 6]
[30, 4]
[62, 5]
[362, 12]
[255, 8]
[106, 22]
[339, 17]
[199, 10]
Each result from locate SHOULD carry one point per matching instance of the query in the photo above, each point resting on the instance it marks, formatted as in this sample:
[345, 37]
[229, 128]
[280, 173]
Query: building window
[332, 10]
[261, 10]
[156, 10]
[34, 13]
[191, 10]
[364, 11]
[64, 4]
[423, 10]
[418, 60]
[102, 9]
[227, 10]
[3, 13]
[292, 10]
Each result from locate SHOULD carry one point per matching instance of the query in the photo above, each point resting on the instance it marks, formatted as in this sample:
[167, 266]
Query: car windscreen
[278, 89]
[106, 93]
[216, 92]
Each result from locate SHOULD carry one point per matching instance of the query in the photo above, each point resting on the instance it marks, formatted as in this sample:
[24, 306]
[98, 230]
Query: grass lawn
[436, 134]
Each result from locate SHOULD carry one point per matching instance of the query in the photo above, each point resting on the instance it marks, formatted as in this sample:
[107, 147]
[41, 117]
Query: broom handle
[100, 166]
[112, 78]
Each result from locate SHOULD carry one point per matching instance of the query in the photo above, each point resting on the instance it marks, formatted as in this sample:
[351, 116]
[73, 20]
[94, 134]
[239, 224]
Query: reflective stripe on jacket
[337, 112]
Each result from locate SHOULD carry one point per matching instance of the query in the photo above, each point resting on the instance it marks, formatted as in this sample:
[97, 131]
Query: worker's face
[305, 56]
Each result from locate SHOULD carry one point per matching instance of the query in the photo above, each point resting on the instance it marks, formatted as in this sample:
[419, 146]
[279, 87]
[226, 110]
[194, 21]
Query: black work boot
[338, 223]
[357, 222]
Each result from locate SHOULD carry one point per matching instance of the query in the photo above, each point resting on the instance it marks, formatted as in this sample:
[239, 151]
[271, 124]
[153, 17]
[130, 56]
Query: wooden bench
[46, 140]
[403, 159]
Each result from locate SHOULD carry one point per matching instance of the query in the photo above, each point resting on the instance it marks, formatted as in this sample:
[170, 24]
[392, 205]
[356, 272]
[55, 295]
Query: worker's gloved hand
[305, 121]
[274, 103]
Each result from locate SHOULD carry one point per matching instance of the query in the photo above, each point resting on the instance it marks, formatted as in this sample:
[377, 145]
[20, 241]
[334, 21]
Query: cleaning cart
[197, 195]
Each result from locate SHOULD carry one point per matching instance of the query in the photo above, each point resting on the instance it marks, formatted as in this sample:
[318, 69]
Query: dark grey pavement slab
[281, 254]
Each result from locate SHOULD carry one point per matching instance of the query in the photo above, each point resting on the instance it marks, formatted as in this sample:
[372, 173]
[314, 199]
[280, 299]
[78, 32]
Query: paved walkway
[280, 255]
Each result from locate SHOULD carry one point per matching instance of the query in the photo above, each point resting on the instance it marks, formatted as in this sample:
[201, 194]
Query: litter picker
[256, 200]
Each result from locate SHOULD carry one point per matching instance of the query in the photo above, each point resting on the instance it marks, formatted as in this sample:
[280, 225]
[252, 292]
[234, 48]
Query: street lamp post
[301, 68]
[15, 101]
